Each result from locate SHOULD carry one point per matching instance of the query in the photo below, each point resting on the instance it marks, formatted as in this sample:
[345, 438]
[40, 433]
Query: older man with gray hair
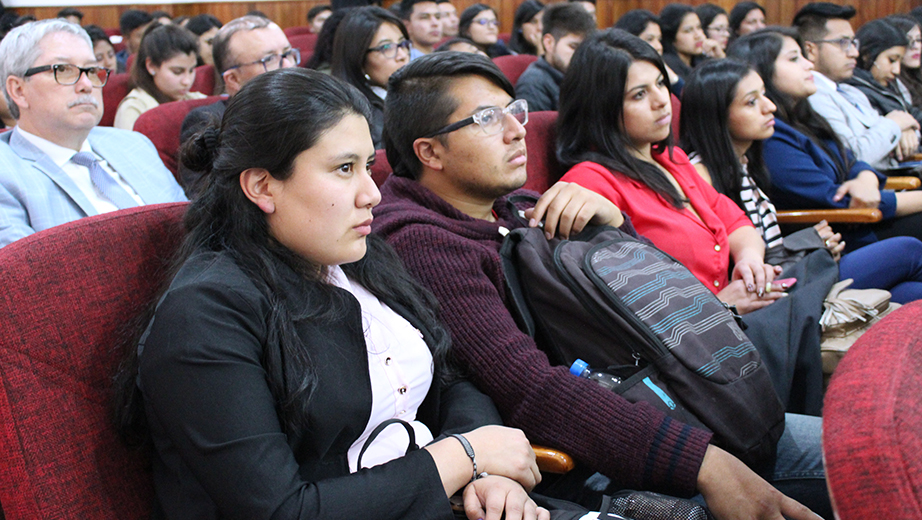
[244, 48]
[56, 165]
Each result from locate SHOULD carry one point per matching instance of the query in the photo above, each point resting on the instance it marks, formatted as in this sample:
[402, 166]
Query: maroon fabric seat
[297, 31]
[305, 43]
[541, 141]
[381, 169]
[69, 293]
[204, 80]
[118, 86]
[513, 66]
[872, 415]
[162, 125]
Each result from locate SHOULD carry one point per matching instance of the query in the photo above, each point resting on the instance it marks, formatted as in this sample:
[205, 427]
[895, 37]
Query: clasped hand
[864, 191]
[567, 208]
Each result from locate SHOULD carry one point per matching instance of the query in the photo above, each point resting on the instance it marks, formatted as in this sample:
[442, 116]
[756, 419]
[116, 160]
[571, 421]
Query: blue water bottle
[580, 368]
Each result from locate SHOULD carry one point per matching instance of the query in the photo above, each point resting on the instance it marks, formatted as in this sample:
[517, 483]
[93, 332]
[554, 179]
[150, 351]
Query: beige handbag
[847, 314]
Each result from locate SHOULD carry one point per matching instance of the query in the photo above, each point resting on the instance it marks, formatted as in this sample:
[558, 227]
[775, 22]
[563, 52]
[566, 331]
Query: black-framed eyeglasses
[67, 74]
[274, 61]
[843, 43]
[389, 50]
[491, 120]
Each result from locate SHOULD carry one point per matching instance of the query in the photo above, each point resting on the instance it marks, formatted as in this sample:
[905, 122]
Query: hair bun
[199, 152]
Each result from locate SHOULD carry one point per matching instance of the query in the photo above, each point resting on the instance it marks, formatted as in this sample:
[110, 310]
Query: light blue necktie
[108, 186]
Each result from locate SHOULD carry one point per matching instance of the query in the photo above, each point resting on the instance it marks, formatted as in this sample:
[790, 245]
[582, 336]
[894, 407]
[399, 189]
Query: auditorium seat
[541, 142]
[204, 80]
[514, 65]
[113, 93]
[305, 43]
[297, 31]
[70, 295]
[162, 125]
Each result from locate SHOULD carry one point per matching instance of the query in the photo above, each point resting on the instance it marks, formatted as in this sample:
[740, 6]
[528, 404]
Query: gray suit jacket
[35, 194]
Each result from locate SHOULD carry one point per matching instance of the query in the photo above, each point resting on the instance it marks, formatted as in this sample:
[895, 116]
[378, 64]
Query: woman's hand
[909, 145]
[712, 49]
[745, 301]
[489, 497]
[864, 191]
[505, 452]
[567, 207]
[833, 241]
[755, 274]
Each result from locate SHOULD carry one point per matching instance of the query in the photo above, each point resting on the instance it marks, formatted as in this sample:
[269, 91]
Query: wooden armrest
[553, 461]
[914, 157]
[902, 183]
[847, 216]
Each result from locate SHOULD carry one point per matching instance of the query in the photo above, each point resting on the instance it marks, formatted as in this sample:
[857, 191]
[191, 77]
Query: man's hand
[567, 207]
[733, 491]
[904, 119]
[490, 497]
[909, 145]
[864, 191]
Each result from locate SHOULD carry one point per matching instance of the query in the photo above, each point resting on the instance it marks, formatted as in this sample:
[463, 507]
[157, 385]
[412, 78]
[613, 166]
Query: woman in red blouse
[624, 151]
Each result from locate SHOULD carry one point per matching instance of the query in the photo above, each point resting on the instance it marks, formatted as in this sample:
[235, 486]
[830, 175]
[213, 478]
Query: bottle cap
[578, 367]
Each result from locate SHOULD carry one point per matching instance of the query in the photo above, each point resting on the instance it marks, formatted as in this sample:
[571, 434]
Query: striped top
[757, 206]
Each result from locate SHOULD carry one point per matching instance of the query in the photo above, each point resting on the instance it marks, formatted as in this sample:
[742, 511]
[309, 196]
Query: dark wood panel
[293, 13]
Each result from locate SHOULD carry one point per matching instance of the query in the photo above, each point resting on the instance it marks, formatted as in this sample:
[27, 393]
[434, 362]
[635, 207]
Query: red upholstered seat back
[305, 43]
[872, 416]
[297, 31]
[162, 124]
[113, 93]
[204, 80]
[513, 66]
[68, 294]
[381, 169]
[541, 140]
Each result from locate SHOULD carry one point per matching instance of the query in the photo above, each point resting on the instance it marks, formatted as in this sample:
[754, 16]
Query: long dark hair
[709, 92]
[670, 19]
[760, 49]
[267, 125]
[350, 46]
[526, 11]
[323, 50]
[591, 115]
[159, 44]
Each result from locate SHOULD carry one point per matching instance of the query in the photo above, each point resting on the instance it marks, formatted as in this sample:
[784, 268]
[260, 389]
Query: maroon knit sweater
[457, 257]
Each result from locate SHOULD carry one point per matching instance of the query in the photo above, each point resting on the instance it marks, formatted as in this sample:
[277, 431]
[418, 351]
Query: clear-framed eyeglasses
[487, 21]
[389, 50]
[67, 74]
[274, 61]
[843, 43]
[491, 120]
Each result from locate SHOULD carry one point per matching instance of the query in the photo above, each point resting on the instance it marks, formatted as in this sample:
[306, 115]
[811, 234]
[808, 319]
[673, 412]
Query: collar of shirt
[58, 154]
[819, 78]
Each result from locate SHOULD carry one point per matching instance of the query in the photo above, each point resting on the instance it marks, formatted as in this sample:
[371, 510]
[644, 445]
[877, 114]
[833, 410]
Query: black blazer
[220, 451]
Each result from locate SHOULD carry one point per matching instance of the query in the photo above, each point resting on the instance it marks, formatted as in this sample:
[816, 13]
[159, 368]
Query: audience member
[459, 44]
[716, 27]
[370, 45]
[243, 49]
[181, 21]
[527, 29]
[204, 27]
[53, 87]
[422, 18]
[725, 117]
[829, 42]
[479, 24]
[683, 38]
[566, 25]
[132, 24]
[162, 17]
[316, 16]
[645, 25]
[72, 15]
[323, 49]
[284, 415]
[809, 164]
[746, 17]
[163, 71]
[449, 18]
[879, 59]
[443, 210]
[589, 5]
[102, 47]
[6, 117]
[909, 81]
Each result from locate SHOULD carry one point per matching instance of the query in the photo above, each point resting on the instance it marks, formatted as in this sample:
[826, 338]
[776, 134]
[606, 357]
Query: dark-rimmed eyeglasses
[274, 61]
[487, 21]
[389, 50]
[842, 43]
[67, 74]
[491, 120]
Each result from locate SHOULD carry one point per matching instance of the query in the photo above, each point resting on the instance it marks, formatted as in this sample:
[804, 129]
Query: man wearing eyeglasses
[829, 42]
[56, 165]
[242, 49]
